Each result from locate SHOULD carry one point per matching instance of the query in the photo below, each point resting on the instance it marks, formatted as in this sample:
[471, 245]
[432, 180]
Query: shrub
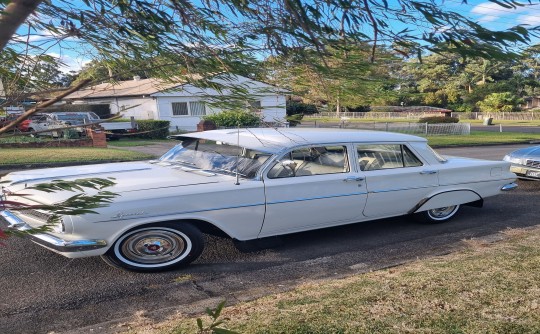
[294, 120]
[294, 108]
[500, 102]
[359, 109]
[234, 118]
[152, 129]
[438, 119]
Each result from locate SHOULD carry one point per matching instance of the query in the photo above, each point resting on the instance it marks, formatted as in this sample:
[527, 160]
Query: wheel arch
[202, 225]
[449, 198]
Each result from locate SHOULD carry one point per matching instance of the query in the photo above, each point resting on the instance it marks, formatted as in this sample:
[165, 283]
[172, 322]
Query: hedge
[438, 120]
[231, 119]
[152, 129]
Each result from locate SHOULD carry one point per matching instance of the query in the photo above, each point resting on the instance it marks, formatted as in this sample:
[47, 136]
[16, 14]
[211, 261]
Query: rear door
[396, 179]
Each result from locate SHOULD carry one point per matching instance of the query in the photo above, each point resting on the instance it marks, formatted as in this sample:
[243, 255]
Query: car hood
[128, 177]
[528, 152]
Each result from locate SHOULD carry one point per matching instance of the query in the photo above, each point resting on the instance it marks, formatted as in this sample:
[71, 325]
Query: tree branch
[375, 30]
[13, 16]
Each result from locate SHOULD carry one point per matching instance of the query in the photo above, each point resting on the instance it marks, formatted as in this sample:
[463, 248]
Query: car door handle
[428, 172]
[353, 179]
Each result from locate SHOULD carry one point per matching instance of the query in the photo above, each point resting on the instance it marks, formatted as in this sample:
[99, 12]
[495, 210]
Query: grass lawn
[486, 288]
[484, 138]
[66, 155]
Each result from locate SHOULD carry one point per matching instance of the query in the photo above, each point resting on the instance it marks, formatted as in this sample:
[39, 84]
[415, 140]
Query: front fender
[446, 198]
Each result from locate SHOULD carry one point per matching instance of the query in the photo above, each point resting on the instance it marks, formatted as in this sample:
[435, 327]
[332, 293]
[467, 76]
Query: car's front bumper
[48, 240]
[525, 172]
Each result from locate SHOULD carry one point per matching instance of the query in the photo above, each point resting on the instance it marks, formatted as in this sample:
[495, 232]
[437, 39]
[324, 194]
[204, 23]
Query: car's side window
[385, 156]
[315, 160]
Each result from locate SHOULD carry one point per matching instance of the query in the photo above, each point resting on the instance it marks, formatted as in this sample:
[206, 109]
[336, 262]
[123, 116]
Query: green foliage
[500, 102]
[294, 120]
[76, 185]
[438, 120]
[343, 78]
[294, 108]
[234, 118]
[213, 327]
[152, 129]
[323, 50]
[78, 204]
[461, 107]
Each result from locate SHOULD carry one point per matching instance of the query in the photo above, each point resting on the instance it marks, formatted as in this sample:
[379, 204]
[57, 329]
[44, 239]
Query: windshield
[217, 156]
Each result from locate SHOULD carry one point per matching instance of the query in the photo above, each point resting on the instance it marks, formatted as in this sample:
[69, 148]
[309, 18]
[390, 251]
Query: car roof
[273, 140]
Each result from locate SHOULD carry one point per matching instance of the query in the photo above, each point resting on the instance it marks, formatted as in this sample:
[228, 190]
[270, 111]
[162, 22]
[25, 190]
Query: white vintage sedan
[250, 184]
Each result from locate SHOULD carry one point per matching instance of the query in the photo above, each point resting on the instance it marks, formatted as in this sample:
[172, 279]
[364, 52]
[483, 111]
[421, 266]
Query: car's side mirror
[289, 164]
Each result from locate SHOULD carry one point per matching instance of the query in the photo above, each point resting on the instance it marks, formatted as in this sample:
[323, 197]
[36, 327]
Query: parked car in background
[56, 121]
[41, 123]
[113, 129]
[250, 184]
[525, 162]
[22, 127]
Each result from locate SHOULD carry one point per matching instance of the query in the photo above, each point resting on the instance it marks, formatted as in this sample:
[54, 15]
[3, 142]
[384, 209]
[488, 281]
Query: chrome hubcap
[442, 212]
[153, 246]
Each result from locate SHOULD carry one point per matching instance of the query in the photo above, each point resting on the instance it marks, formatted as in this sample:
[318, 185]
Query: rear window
[386, 156]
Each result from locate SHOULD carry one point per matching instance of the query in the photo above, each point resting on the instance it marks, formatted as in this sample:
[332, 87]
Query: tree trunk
[13, 16]
[338, 107]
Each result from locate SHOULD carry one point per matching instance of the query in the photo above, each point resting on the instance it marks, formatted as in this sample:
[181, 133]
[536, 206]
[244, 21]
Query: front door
[312, 187]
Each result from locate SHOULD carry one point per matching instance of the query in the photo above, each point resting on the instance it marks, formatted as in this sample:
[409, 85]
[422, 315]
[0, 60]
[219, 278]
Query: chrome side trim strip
[315, 198]
[509, 186]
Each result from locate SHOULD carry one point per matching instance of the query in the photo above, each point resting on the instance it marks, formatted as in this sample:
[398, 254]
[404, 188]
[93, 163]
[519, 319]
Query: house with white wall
[182, 103]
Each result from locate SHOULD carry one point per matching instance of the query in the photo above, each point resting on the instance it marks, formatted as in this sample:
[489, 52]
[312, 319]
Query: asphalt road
[42, 292]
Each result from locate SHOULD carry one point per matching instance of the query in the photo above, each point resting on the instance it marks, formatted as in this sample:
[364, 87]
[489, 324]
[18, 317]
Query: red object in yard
[23, 126]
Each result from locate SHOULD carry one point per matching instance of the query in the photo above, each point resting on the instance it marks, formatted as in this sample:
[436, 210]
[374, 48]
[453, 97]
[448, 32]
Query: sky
[488, 14]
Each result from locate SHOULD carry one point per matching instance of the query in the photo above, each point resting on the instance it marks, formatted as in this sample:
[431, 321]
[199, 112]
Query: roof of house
[140, 87]
[136, 87]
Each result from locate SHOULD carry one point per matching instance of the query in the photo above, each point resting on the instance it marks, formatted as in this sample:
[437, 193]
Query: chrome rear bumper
[48, 240]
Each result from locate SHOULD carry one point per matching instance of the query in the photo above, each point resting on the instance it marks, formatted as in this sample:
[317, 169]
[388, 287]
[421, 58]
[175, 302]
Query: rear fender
[448, 198]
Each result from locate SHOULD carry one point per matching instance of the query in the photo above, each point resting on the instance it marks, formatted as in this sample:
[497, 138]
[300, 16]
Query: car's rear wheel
[439, 215]
[158, 247]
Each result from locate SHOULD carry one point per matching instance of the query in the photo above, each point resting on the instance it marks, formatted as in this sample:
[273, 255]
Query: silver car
[525, 162]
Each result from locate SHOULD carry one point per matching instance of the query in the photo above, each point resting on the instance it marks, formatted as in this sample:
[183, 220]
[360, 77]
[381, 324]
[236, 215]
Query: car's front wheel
[439, 215]
[158, 247]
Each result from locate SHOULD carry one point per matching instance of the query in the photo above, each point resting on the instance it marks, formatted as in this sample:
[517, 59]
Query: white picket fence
[402, 127]
[417, 114]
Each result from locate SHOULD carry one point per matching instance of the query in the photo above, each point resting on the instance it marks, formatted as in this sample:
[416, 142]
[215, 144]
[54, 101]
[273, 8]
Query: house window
[255, 105]
[180, 109]
[197, 108]
[188, 109]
